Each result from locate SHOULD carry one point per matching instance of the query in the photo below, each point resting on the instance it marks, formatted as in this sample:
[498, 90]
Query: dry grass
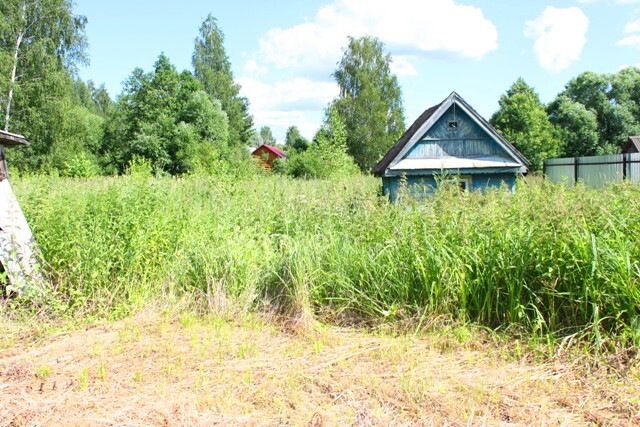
[185, 370]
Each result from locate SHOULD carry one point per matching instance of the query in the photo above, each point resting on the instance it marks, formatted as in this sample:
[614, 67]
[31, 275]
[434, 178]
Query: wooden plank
[18, 249]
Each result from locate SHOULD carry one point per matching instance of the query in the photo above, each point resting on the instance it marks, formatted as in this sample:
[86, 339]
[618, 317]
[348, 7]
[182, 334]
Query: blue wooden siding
[468, 140]
[497, 180]
[425, 185]
[415, 186]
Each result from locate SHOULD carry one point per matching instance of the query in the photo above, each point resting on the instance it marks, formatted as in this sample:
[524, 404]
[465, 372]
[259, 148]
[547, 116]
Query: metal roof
[273, 149]
[454, 163]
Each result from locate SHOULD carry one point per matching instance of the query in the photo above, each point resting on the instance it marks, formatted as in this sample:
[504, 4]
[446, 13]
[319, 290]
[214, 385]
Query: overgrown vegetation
[545, 259]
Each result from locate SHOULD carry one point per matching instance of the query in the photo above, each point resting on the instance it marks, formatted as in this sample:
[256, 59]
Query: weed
[43, 372]
[550, 260]
[84, 378]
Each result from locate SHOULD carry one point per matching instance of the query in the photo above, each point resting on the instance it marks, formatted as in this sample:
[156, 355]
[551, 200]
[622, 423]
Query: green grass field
[543, 260]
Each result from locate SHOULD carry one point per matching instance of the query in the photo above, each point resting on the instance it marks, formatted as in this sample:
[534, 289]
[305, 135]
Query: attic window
[453, 125]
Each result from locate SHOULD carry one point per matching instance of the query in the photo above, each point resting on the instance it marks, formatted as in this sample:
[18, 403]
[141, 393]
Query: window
[452, 125]
[464, 183]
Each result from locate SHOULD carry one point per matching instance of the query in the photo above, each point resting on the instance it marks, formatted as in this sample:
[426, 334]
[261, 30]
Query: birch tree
[39, 39]
[370, 101]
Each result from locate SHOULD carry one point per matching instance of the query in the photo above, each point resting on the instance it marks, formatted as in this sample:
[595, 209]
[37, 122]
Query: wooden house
[632, 146]
[19, 255]
[449, 142]
[265, 155]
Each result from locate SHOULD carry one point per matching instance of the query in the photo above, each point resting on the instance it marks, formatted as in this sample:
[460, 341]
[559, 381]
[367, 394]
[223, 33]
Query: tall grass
[546, 258]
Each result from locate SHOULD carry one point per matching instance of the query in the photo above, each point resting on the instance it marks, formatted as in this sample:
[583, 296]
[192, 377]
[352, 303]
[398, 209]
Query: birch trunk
[14, 69]
[12, 82]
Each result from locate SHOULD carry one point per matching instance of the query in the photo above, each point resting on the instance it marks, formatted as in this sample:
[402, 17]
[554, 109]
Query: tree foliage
[524, 121]
[266, 136]
[370, 101]
[294, 140]
[167, 118]
[326, 156]
[41, 42]
[614, 101]
[95, 99]
[212, 69]
[576, 126]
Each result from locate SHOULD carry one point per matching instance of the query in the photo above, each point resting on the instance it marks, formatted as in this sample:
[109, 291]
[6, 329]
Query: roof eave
[11, 139]
[452, 171]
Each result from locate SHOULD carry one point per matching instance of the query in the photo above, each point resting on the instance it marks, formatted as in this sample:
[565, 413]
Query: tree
[266, 136]
[294, 140]
[95, 99]
[615, 101]
[213, 70]
[167, 118]
[576, 126]
[40, 42]
[255, 140]
[327, 155]
[370, 101]
[524, 121]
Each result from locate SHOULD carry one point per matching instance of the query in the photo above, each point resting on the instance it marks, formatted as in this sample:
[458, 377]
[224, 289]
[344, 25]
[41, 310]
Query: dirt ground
[175, 370]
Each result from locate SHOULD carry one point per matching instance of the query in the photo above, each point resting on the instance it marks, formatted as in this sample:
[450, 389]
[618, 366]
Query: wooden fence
[594, 171]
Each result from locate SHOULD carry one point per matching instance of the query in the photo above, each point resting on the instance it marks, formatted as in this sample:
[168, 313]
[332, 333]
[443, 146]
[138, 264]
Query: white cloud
[296, 102]
[252, 68]
[630, 41]
[296, 94]
[436, 27]
[632, 27]
[402, 67]
[560, 36]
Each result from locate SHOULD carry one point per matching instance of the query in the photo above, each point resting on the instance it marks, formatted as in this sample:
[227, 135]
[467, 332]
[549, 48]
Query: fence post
[575, 171]
[624, 167]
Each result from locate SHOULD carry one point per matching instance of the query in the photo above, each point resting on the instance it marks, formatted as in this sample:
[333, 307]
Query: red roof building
[266, 154]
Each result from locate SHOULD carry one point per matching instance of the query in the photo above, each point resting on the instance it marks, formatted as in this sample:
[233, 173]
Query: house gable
[451, 135]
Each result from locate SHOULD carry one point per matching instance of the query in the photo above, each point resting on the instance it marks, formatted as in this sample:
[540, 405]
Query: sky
[283, 52]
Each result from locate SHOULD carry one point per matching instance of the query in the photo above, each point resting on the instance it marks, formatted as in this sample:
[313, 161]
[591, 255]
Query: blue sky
[284, 51]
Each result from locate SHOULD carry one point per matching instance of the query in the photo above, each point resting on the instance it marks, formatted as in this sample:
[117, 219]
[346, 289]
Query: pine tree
[213, 70]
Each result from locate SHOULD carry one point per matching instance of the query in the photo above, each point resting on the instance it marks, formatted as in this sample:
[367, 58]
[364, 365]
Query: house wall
[263, 153]
[425, 185]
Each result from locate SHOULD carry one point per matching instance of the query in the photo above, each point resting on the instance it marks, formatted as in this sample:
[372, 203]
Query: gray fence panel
[560, 170]
[595, 171]
[633, 167]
